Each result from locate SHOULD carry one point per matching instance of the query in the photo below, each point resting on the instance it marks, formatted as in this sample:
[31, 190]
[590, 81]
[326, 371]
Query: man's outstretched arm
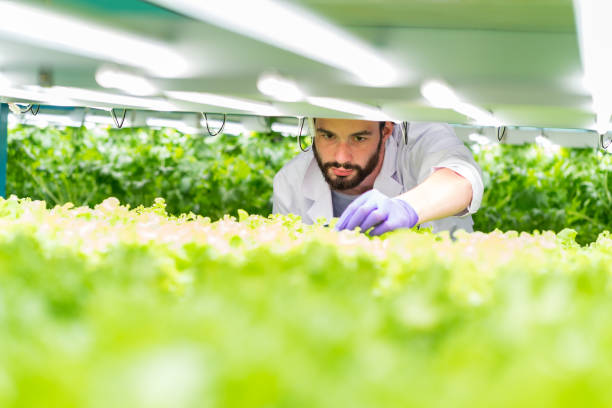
[444, 193]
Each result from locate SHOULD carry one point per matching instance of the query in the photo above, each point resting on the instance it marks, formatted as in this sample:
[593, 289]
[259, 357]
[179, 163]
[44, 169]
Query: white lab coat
[299, 187]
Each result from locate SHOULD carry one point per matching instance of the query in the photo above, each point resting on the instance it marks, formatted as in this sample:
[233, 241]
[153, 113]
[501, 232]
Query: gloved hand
[373, 208]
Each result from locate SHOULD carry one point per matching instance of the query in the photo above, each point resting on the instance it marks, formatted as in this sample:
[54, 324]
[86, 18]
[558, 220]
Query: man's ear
[387, 130]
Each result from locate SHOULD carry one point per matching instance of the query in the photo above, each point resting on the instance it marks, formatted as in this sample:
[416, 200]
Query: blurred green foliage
[527, 187]
[305, 317]
[212, 176]
[530, 187]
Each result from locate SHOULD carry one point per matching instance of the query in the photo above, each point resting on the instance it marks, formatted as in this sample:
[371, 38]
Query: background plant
[212, 176]
[526, 187]
[533, 188]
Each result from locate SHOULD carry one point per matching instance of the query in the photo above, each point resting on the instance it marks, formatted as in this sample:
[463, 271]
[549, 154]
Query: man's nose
[343, 153]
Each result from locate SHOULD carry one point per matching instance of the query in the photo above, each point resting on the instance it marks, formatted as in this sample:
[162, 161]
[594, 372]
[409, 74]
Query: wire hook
[604, 145]
[502, 132]
[208, 128]
[299, 137]
[114, 116]
[34, 113]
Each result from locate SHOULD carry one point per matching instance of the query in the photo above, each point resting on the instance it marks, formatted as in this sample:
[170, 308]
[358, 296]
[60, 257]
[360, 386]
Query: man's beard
[350, 181]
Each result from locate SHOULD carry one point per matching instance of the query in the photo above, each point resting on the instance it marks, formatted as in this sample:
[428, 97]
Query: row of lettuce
[129, 307]
[526, 187]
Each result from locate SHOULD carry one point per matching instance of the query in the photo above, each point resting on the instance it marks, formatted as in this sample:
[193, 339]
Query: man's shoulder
[431, 128]
[427, 136]
[297, 166]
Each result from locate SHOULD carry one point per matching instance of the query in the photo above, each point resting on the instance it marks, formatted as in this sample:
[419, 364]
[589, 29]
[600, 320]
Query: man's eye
[326, 136]
[360, 138]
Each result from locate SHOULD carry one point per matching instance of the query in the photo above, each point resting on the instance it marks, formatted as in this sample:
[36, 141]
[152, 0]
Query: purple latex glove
[373, 208]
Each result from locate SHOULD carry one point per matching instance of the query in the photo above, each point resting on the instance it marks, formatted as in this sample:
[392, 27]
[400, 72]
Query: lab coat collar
[317, 191]
[386, 181]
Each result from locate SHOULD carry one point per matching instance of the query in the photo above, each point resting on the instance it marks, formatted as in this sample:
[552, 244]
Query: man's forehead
[345, 124]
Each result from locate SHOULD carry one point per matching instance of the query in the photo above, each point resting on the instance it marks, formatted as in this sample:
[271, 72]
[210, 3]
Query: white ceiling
[518, 59]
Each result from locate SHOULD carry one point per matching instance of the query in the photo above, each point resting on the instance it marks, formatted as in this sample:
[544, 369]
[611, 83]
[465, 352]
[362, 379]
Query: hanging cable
[299, 137]
[114, 116]
[502, 132]
[208, 128]
[603, 144]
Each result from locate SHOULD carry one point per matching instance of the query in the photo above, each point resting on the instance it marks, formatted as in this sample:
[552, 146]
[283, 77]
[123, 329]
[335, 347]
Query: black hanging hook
[602, 143]
[114, 116]
[502, 131]
[220, 129]
[299, 137]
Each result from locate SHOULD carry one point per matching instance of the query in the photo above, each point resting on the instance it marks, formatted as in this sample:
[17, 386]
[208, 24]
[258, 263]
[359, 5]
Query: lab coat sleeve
[437, 147]
[281, 194]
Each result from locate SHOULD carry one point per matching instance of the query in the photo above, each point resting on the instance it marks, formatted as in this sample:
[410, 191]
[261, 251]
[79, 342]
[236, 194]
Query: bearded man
[375, 177]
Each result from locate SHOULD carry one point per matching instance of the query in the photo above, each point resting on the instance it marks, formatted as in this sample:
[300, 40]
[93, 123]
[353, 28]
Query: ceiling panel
[517, 58]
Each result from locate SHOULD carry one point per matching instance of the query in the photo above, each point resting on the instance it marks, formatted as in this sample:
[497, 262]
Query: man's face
[347, 151]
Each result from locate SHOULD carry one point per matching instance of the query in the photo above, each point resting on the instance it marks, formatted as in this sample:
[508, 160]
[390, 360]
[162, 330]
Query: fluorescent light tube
[439, 95]
[365, 111]
[479, 116]
[260, 108]
[42, 27]
[36, 96]
[594, 33]
[119, 101]
[442, 96]
[294, 29]
[108, 77]
[279, 88]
